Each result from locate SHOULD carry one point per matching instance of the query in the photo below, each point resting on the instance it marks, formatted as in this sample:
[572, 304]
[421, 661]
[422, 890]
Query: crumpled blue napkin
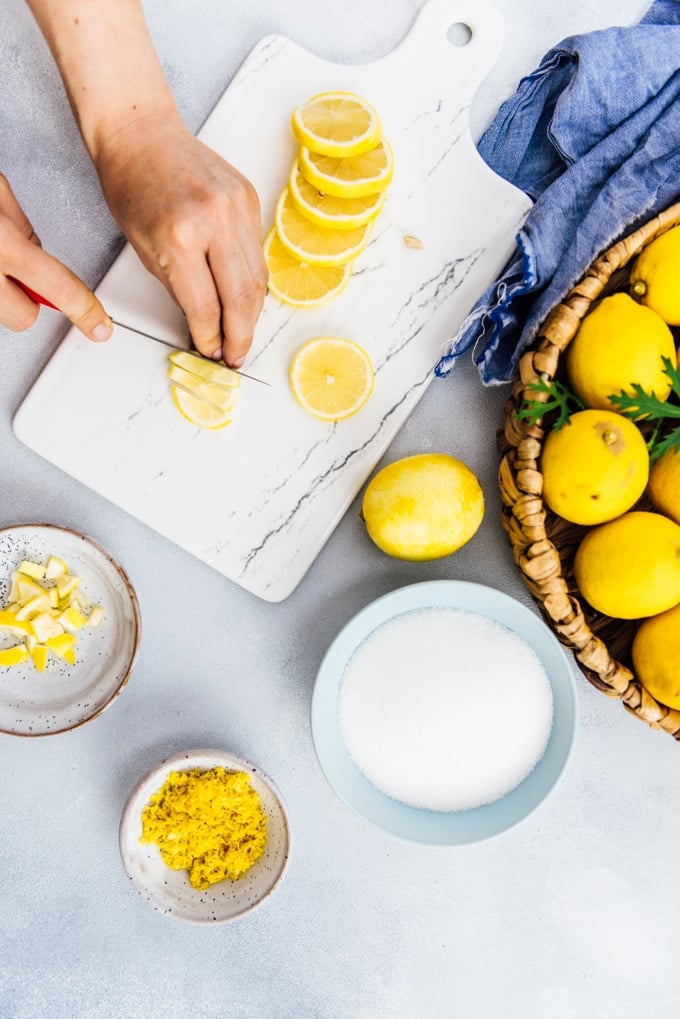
[593, 136]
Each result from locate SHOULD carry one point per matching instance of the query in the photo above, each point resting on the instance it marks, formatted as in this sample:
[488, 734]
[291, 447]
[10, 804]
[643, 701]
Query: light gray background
[575, 914]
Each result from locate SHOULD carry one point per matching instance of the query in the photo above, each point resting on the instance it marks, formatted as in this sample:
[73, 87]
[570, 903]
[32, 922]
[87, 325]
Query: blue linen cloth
[593, 137]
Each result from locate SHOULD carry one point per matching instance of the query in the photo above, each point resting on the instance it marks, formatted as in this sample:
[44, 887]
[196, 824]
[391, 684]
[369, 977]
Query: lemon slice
[221, 397]
[298, 283]
[351, 177]
[197, 411]
[331, 378]
[329, 210]
[336, 124]
[15, 655]
[314, 244]
[213, 371]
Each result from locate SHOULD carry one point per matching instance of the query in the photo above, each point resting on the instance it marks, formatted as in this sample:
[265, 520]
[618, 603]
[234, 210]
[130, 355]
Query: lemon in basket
[619, 343]
[595, 467]
[423, 507]
[629, 568]
[656, 653]
[655, 274]
[664, 484]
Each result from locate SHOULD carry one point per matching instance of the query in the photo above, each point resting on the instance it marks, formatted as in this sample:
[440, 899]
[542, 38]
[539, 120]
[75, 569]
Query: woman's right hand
[22, 258]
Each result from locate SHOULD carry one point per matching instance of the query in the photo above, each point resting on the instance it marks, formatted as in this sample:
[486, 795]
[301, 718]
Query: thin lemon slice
[221, 397]
[197, 411]
[330, 211]
[298, 283]
[353, 177]
[314, 244]
[216, 371]
[336, 124]
[332, 378]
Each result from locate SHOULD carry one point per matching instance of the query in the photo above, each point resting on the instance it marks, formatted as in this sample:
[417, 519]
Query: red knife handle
[38, 298]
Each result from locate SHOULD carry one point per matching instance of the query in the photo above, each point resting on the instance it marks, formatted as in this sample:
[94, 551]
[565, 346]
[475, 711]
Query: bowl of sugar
[444, 712]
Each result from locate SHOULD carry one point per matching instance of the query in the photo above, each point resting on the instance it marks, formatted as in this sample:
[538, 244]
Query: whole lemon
[620, 342]
[595, 467]
[664, 484]
[655, 274]
[423, 507]
[630, 567]
[656, 656]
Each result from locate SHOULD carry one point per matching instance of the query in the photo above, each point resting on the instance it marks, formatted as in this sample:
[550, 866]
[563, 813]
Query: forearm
[192, 218]
[108, 64]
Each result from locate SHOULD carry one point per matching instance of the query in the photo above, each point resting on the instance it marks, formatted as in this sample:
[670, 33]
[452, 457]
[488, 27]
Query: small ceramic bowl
[433, 827]
[169, 891]
[65, 696]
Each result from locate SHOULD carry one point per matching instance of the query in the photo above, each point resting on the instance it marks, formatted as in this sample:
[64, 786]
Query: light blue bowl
[426, 826]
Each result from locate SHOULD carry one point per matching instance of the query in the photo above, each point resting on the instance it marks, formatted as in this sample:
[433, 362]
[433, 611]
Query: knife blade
[39, 299]
[194, 353]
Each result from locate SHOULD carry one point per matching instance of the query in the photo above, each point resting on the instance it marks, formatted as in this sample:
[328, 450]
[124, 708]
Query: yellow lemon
[204, 392]
[213, 371]
[595, 467]
[423, 507]
[655, 274]
[620, 342]
[664, 484]
[197, 411]
[298, 283]
[15, 655]
[331, 377]
[656, 656]
[313, 244]
[221, 397]
[328, 210]
[350, 177]
[336, 124]
[630, 567]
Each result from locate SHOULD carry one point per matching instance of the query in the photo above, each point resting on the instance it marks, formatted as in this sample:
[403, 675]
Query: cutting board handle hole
[459, 34]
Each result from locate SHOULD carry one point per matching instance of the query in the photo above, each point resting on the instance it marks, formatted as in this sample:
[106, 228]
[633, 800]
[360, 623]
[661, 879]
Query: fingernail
[217, 354]
[102, 332]
[238, 362]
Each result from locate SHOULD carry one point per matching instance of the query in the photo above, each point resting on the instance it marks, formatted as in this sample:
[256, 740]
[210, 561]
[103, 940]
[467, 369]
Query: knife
[39, 299]
[194, 353]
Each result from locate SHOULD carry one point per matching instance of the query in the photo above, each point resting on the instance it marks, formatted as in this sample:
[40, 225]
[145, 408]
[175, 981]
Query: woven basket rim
[533, 531]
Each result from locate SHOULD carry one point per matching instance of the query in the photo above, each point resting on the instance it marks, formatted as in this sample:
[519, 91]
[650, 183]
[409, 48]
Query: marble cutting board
[258, 500]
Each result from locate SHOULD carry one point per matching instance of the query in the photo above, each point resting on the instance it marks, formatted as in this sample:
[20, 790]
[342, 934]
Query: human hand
[195, 223]
[22, 258]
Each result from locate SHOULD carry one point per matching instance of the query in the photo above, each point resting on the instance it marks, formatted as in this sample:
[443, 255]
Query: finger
[10, 207]
[191, 283]
[49, 277]
[243, 287]
[242, 300]
[17, 311]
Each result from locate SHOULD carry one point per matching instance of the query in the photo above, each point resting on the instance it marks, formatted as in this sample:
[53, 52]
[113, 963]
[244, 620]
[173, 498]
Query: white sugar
[445, 709]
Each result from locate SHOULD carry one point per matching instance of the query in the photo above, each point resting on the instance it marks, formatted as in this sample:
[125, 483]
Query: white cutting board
[258, 499]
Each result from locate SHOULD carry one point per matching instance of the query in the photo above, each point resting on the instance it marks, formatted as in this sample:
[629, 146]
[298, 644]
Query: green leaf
[671, 440]
[559, 398]
[640, 405]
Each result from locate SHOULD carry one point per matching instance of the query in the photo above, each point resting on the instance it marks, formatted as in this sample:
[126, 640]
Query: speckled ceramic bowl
[169, 890]
[64, 696]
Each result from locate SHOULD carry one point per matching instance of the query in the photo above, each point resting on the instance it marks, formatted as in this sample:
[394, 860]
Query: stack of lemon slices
[335, 191]
[204, 392]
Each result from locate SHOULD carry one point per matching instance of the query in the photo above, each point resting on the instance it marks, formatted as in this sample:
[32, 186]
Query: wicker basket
[544, 544]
